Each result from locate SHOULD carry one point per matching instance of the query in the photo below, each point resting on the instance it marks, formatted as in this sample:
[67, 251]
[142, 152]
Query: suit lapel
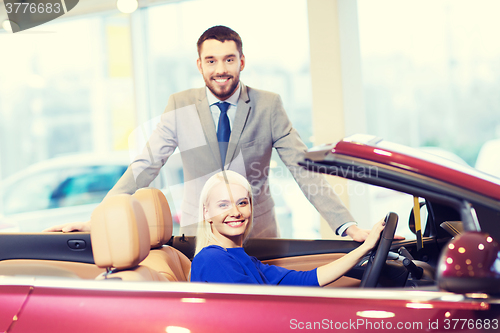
[207, 123]
[242, 111]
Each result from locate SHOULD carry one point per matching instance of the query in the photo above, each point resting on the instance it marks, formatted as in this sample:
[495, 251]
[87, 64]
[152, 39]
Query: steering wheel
[379, 253]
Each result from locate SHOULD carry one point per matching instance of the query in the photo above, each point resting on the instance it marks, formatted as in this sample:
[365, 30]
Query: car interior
[131, 240]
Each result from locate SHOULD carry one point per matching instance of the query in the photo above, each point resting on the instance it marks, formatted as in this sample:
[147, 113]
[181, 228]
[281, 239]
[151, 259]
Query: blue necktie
[223, 130]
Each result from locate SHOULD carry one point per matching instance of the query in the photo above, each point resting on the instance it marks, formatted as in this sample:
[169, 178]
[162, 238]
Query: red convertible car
[445, 279]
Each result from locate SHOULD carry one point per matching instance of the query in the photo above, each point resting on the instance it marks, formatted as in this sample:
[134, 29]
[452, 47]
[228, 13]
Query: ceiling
[89, 6]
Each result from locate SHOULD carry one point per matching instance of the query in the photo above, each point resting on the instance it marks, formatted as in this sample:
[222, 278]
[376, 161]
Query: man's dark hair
[221, 33]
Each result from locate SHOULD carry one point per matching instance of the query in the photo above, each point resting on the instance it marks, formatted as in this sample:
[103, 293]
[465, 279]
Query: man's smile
[222, 80]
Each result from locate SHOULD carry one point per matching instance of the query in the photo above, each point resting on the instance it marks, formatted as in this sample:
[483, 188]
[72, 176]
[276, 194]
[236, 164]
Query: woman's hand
[374, 235]
[332, 271]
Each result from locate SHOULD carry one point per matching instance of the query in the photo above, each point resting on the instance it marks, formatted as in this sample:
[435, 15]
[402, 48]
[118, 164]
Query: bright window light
[127, 6]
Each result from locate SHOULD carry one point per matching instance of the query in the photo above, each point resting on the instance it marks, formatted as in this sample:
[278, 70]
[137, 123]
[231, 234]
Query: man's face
[220, 64]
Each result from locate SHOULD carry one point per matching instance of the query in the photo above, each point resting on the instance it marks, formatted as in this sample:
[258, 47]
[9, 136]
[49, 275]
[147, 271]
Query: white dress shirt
[231, 111]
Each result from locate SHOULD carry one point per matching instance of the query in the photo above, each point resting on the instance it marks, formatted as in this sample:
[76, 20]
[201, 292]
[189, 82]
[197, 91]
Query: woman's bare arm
[332, 271]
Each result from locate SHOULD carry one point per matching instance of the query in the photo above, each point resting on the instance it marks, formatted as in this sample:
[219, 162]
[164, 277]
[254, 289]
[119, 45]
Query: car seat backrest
[170, 262]
[120, 239]
[158, 215]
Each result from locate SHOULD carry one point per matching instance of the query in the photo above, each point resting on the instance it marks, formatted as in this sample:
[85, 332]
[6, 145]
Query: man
[227, 125]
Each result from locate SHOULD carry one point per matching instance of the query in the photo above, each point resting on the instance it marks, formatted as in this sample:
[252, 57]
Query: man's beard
[224, 93]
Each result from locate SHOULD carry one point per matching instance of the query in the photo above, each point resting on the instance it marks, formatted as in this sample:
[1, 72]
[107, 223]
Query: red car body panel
[12, 299]
[469, 179]
[87, 310]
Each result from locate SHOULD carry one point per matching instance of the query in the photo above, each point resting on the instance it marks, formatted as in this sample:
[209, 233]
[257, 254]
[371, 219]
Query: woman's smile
[235, 224]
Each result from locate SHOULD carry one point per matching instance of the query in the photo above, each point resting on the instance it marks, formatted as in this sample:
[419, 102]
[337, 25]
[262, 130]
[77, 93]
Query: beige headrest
[119, 232]
[158, 214]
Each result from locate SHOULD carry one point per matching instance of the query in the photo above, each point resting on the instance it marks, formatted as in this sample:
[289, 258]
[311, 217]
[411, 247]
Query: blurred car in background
[59, 190]
[68, 188]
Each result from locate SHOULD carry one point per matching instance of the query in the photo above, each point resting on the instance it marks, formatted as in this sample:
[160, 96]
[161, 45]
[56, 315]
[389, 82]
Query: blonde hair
[204, 235]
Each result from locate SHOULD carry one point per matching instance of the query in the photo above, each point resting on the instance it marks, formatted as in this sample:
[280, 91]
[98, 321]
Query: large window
[431, 72]
[63, 89]
[45, 93]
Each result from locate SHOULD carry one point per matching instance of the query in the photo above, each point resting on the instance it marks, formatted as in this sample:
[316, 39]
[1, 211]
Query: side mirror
[470, 263]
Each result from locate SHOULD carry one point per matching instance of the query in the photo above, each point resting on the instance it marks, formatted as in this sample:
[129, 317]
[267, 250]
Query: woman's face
[229, 211]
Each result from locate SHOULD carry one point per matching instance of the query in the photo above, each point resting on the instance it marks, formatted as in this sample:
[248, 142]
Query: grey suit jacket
[261, 124]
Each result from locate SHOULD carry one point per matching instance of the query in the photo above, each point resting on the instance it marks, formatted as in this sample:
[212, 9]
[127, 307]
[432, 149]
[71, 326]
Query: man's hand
[359, 235]
[68, 227]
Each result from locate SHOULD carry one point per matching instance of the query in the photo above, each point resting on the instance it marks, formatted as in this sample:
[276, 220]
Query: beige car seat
[120, 240]
[170, 262]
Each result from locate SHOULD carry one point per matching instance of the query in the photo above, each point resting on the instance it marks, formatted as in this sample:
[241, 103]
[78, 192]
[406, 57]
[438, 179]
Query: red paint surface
[421, 166]
[473, 254]
[11, 301]
[66, 310]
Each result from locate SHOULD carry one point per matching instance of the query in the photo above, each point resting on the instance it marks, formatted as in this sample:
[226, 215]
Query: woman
[226, 212]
